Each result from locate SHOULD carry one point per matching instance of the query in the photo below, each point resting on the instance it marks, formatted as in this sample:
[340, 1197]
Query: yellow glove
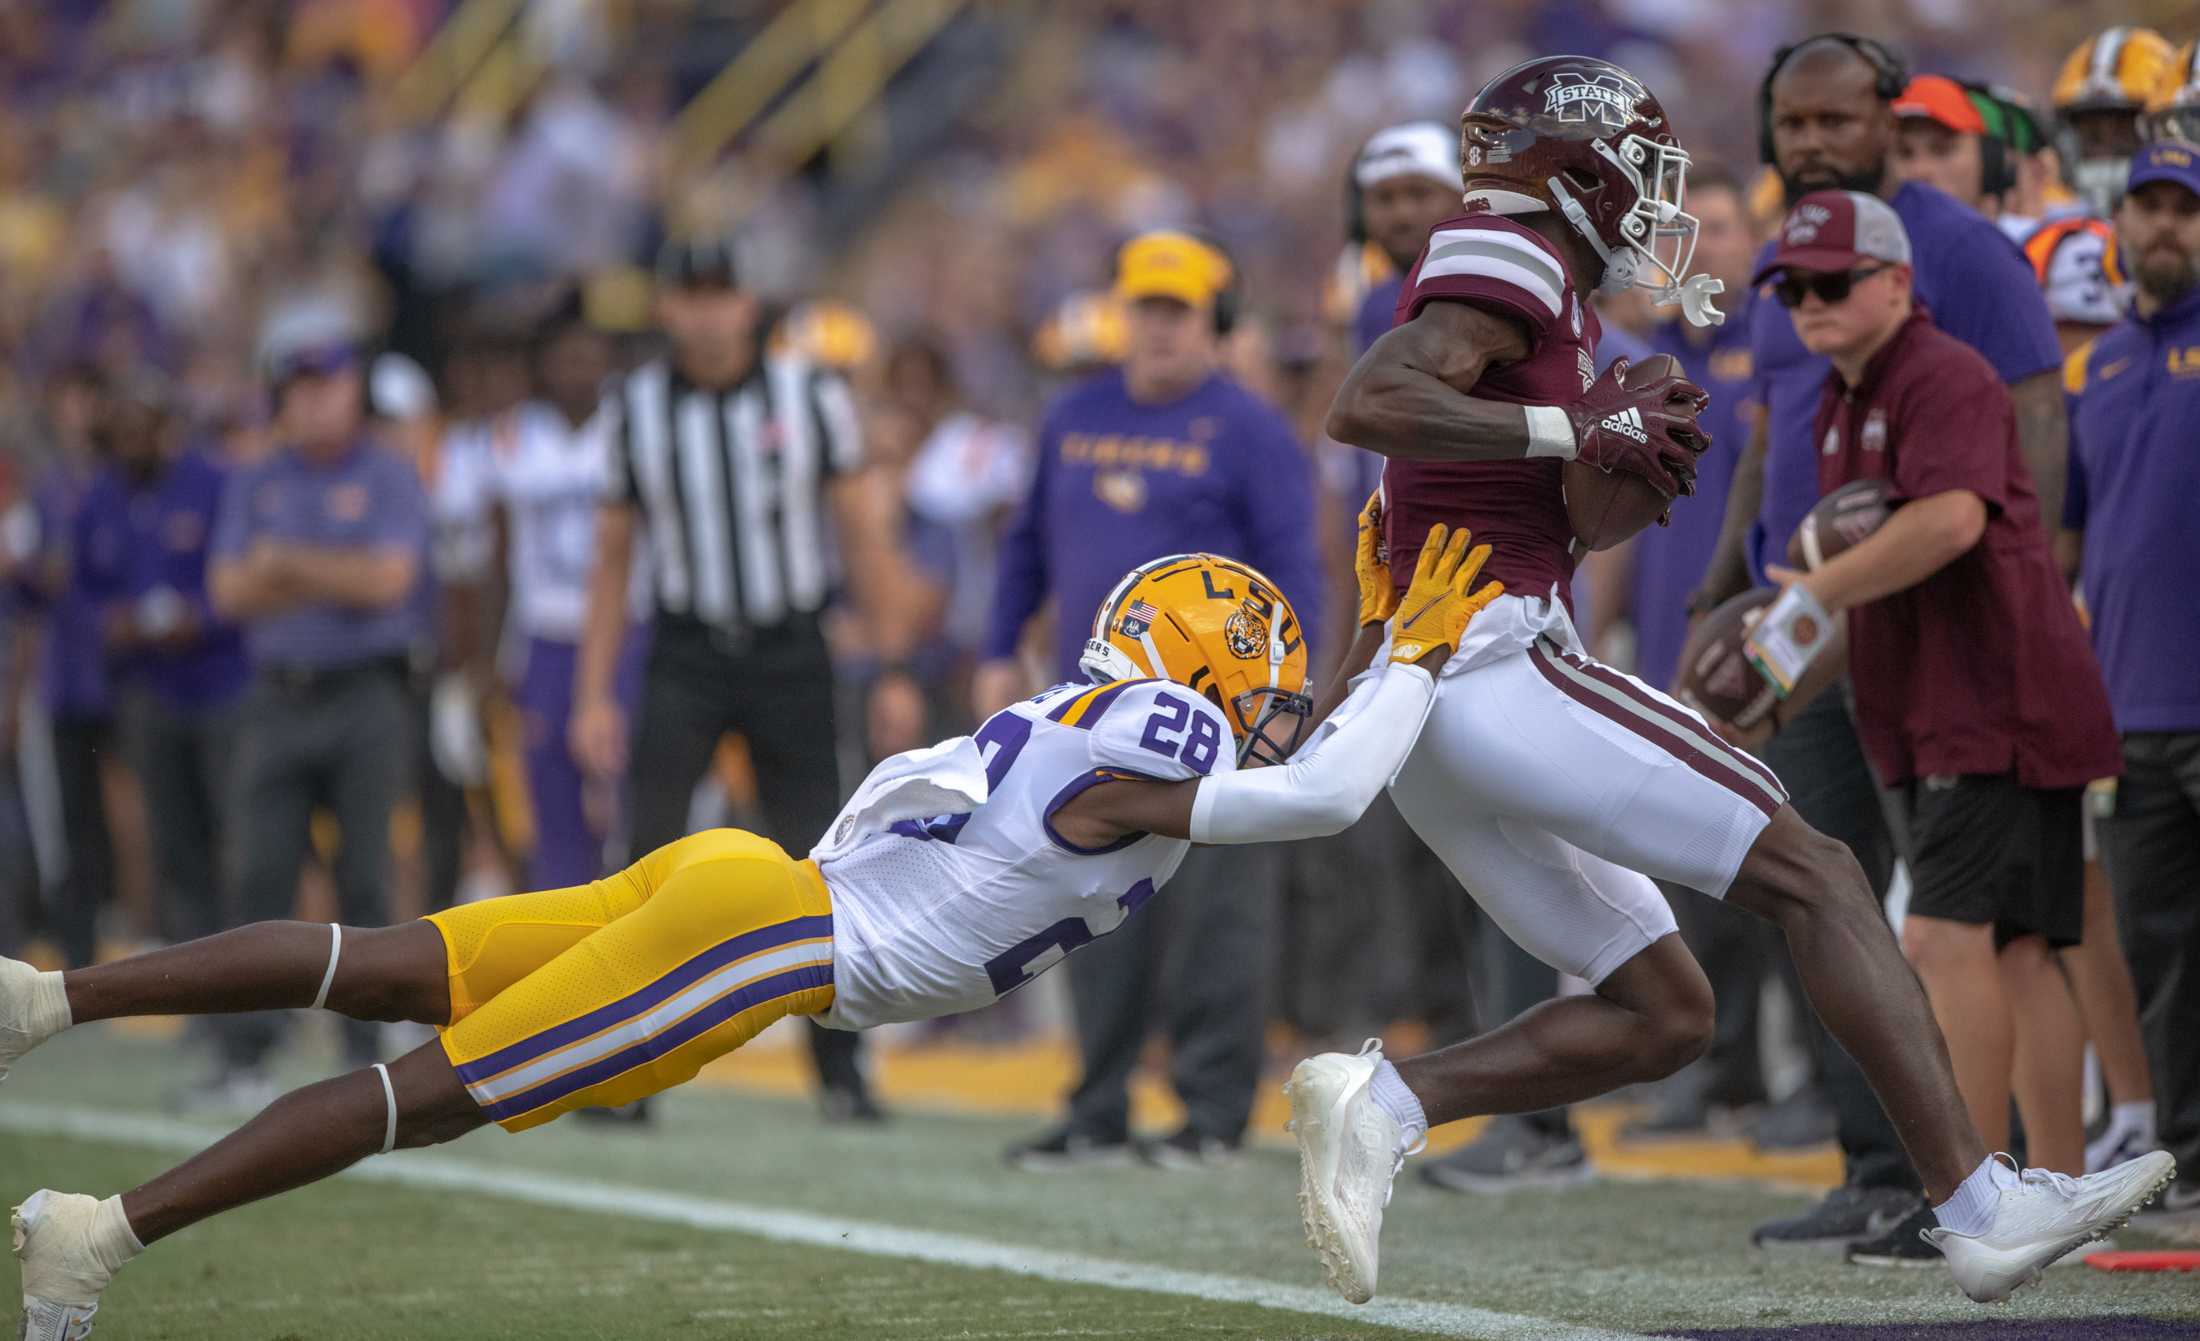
[1371, 564]
[1437, 606]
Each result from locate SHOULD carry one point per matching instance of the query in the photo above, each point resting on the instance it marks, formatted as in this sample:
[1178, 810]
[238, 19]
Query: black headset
[1889, 77]
[1232, 298]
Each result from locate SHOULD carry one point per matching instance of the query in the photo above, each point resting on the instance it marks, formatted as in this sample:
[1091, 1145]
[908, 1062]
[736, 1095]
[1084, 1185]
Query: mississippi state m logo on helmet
[1608, 99]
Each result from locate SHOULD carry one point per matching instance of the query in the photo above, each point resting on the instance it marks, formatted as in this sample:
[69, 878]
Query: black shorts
[1987, 850]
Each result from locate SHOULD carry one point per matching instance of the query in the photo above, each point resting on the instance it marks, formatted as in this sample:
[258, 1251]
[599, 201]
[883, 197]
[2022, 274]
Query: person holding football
[955, 875]
[1557, 788]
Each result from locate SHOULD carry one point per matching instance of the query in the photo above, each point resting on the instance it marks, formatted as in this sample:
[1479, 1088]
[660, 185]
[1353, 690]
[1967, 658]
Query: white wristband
[1550, 432]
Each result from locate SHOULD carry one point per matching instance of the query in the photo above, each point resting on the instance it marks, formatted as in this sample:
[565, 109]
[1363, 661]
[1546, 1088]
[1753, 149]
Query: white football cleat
[26, 1011]
[1348, 1155]
[2044, 1216]
[62, 1279]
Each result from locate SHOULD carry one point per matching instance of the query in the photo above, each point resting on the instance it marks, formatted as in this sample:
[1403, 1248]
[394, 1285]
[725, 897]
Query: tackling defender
[1555, 787]
[955, 875]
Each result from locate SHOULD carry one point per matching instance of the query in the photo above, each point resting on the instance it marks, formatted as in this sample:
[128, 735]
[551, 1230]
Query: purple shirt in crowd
[369, 498]
[1119, 483]
[1981, 290]
[1669, 561]
[73, 660]
[2134, 479]
[136, 537]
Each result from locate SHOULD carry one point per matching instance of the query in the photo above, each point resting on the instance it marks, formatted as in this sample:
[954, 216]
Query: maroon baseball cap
[1837, 230]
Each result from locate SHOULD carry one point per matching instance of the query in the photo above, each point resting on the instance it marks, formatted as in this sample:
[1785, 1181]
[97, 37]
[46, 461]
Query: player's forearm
[1403, 412]
[1728, 572]
[1325, 789]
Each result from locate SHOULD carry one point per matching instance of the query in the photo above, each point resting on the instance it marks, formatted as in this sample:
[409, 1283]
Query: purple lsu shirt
[135, 537]
[1981, 290]
[1119, 483]
[2134, 473]
[369, 497]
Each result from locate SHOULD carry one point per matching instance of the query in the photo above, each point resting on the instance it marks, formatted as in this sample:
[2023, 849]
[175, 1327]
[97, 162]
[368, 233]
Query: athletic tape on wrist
[335, 949]
[1550, 432]
[389, 1097]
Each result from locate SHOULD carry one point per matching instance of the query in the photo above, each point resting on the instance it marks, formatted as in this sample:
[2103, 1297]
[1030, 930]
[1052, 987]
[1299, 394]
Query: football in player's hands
[1652, 417]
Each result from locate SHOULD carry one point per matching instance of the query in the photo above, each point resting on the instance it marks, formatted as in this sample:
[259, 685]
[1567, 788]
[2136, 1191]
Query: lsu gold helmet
[1220, 629]
[829, 333]
[2119, 69]
[2105, 84]
[2175, 112]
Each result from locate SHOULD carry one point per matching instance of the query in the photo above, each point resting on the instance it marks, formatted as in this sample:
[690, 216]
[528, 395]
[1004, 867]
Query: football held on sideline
[1976, 694]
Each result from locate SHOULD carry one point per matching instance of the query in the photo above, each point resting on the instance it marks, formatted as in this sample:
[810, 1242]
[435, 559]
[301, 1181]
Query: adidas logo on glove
[1627, 422]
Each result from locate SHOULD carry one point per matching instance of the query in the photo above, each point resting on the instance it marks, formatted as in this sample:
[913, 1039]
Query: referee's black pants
[774, 688]
[1197, 961]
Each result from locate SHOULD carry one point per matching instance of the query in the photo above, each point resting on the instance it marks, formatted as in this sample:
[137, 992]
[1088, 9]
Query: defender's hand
[1649, 430]
[1439, 604]
[1371, 564]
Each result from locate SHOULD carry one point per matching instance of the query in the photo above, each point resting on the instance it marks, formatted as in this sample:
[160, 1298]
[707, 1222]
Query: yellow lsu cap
[1171, 265]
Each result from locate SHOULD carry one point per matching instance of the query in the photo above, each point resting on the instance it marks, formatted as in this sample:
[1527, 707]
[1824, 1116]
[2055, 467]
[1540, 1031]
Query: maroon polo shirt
[1981, 668]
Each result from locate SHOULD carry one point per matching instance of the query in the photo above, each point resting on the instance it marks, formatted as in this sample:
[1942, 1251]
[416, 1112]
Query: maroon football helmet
[1585, 138]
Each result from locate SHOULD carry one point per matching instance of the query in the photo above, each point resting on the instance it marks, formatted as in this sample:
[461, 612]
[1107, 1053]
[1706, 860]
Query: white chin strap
[1623, 268]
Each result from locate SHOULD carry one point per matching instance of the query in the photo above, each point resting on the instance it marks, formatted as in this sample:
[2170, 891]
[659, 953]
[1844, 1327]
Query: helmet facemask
[1264, 711]
[1657, 237]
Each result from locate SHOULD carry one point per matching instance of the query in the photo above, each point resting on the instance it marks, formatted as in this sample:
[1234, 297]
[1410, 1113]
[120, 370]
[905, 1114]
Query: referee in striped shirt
[738, 467]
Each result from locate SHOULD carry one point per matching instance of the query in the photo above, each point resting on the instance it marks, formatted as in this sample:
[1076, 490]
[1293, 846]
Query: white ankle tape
[335, 952]
[389, 1098]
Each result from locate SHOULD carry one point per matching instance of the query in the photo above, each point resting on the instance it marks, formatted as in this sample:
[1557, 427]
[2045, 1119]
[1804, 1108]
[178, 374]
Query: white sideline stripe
[419, 1169]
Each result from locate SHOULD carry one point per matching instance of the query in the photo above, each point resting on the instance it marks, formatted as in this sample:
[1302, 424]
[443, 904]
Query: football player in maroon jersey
[1555, 787]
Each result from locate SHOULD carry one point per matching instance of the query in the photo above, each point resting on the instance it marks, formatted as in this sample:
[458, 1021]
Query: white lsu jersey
[948, 914]
[549, 476]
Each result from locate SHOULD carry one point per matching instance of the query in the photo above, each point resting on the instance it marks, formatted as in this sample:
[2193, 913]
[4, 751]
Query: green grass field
[576, 1231]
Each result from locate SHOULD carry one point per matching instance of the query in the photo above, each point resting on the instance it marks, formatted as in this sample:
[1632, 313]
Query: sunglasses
[1831, 288]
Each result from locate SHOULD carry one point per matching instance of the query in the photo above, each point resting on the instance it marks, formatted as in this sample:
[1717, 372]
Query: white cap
[1415, 149]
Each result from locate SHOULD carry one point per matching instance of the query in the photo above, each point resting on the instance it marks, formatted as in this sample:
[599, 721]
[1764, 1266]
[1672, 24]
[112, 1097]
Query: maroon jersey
[1517, 506]
[1982, 668]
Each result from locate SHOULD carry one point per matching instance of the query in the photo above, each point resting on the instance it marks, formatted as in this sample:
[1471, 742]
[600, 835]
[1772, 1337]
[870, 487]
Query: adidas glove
[1371, 564]
[1434, 613]
[1648, 430]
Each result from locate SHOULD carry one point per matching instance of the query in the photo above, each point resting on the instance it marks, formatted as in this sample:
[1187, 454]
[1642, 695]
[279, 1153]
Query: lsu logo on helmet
[1220, 629]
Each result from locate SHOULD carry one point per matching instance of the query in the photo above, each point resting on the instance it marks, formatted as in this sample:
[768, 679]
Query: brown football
[1607, 508]
[1839, 522]
[1715, 676]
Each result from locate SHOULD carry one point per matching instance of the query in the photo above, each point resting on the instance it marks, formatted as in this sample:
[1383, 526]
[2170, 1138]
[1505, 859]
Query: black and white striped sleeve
[839, 428]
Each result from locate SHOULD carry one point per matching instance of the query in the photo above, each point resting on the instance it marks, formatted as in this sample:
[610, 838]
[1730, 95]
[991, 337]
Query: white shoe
[2044, 1216]
[1348, 1155]
[62, 1280]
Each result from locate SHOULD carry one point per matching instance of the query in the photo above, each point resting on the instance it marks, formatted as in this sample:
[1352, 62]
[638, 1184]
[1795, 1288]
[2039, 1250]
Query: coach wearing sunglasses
[1978, 700]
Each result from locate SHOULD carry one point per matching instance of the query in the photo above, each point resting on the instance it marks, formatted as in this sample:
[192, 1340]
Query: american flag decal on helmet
[1138, 617]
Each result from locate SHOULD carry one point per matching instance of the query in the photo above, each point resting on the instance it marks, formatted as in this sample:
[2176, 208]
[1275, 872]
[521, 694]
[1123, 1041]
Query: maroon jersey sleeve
[1955, 422]
[1491, 262]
